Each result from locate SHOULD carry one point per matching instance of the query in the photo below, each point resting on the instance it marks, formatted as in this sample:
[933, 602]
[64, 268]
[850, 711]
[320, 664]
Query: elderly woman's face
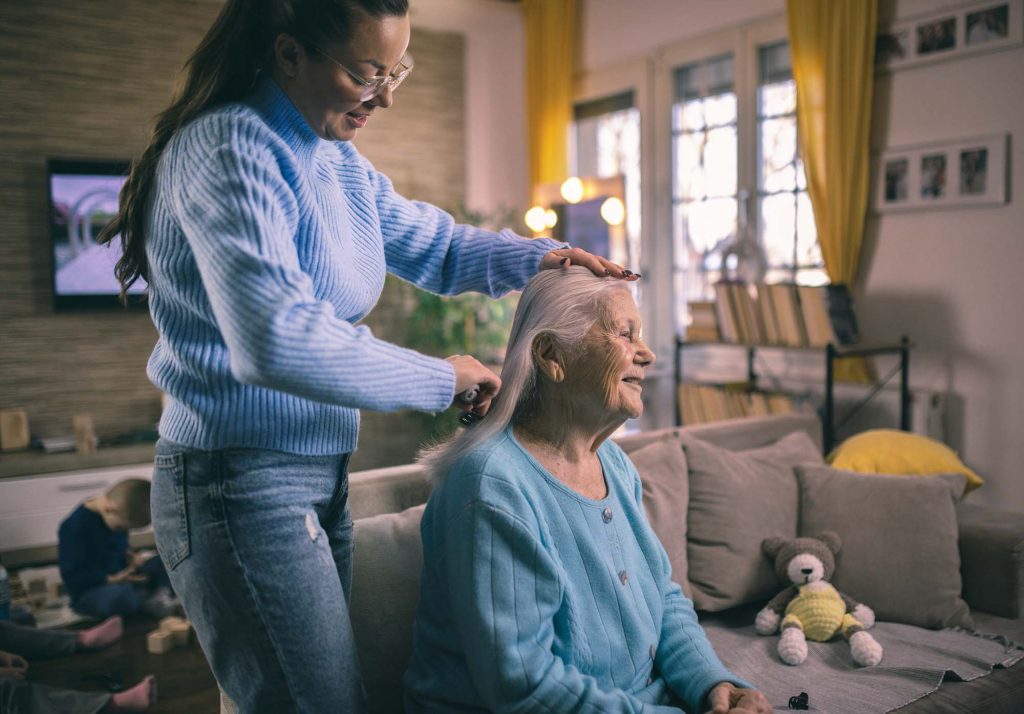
[611, 367]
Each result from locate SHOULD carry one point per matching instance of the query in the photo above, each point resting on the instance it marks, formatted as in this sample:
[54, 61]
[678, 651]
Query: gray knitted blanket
[915, 663]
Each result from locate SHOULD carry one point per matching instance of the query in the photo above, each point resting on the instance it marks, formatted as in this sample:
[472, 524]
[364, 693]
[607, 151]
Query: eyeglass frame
[378, 83]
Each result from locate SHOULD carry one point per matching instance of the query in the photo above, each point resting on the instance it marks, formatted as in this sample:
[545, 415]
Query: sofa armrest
[992, 559]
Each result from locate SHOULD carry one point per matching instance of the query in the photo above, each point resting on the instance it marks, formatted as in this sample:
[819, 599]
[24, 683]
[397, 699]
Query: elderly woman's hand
[564, 257]
[726, 698]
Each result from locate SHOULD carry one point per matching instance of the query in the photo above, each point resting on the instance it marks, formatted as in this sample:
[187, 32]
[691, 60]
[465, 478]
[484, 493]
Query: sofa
[387, 505]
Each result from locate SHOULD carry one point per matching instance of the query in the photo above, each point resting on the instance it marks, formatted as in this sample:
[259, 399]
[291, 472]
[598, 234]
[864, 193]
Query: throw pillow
[888, 451]
[662, 469]
[737, 499]
[900, 554]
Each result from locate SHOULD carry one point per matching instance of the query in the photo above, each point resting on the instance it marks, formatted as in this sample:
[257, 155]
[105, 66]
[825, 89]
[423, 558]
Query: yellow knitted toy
[811, 608]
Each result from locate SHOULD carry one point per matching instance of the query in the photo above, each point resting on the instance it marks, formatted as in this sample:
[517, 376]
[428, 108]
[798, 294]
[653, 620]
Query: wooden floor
[184, 681]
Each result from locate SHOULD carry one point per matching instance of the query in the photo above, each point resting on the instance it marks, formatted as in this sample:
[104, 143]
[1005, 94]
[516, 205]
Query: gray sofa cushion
[662, 469]
[899, 554]
[737, 499]
[385, 594]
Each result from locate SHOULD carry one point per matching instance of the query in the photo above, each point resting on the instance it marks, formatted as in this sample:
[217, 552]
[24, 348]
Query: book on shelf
[703, 325]
[828, 315]
[703, 403]
[726, 311]
[782, 314]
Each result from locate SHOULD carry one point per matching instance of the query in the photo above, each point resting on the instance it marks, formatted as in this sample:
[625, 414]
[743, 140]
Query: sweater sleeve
[239, 216]
[425, 246]
[505, 590]
[685, 657]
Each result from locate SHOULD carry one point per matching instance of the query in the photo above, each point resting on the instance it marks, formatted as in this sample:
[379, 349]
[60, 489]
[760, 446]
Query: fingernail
[562, 261]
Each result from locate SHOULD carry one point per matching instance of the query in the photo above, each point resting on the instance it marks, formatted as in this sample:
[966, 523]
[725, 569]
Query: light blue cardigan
[266, 244]
[536, 599]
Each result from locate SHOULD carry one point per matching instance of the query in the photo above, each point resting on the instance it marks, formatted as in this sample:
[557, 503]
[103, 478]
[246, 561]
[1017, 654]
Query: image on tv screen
[83, 200]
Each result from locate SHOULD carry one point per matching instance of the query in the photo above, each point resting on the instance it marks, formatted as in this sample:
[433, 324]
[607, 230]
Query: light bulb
[536, 219]
[550, 218]
[572, 190]
[613, 211]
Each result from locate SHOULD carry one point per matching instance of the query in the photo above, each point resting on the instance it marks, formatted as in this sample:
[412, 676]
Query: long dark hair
[224, 68]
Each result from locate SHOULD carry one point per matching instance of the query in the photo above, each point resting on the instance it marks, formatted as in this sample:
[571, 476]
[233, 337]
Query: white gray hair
[563, 304]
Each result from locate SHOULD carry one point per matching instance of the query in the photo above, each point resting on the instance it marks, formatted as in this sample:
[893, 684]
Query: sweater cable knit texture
[266, 244]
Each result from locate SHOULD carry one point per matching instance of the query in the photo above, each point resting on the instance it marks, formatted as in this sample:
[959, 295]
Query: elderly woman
[544, 587]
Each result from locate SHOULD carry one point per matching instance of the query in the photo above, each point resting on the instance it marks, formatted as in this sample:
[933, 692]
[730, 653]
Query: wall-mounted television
[82, 200]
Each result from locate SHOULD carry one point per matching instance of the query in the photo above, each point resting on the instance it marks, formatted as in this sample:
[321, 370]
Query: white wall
[496, 158]
[615, 31]
[949, 277]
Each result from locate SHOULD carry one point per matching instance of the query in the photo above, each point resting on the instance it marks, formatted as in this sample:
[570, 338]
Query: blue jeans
[258, 545]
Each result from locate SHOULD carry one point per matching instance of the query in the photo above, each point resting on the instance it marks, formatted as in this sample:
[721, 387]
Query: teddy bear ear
[830, 539]
[772, 546]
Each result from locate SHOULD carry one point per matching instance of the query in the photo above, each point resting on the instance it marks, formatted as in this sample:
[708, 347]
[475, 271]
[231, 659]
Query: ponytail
[224, 68]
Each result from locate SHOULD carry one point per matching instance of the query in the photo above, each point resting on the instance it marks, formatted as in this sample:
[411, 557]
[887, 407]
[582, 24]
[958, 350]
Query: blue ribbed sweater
[536, 599]
[265, 245]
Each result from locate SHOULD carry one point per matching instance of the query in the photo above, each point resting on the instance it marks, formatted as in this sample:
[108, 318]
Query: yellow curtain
[552, 41]
[832, 43]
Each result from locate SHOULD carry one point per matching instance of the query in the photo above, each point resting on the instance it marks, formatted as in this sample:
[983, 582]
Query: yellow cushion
[888, 451]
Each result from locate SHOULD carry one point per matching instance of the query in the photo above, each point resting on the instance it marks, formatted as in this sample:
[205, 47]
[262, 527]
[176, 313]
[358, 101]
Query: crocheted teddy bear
[811, 608]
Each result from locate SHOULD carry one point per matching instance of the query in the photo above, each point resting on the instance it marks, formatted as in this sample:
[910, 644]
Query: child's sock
[137, 699]
[106, 633]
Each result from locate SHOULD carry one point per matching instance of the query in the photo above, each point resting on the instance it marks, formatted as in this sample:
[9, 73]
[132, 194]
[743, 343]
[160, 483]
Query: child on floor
[20, 697]
[101, 574]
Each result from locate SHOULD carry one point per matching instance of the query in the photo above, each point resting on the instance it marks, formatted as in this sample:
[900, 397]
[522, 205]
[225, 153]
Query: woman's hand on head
[470, 374]
[564, 257]
[727, 698]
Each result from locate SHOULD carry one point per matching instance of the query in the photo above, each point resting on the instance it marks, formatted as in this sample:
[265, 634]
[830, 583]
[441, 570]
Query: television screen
[83, 199]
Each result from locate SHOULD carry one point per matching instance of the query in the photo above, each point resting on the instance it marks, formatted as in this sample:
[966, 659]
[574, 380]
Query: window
[785, 218]
[715, 173]
[606, 143]
[705, 196]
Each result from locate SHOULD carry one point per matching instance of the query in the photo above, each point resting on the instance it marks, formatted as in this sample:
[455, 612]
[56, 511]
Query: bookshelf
[831, 352]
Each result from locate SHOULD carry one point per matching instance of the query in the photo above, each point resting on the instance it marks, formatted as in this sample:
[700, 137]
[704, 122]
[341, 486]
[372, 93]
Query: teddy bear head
[803, 560]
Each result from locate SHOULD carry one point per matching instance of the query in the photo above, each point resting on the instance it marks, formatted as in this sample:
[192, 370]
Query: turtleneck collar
[285, 118]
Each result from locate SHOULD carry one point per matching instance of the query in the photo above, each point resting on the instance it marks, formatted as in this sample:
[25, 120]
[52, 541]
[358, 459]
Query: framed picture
[972, 28]
[956, 173]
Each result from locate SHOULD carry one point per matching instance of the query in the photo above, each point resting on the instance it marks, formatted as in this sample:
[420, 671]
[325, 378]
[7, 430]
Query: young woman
[264, 237]
[544, 588]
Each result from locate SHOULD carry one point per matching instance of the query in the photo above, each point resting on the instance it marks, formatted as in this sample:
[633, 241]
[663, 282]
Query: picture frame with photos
[960, 173]
[950, 33]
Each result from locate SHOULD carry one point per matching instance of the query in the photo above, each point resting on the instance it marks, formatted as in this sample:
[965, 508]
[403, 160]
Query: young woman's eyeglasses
[372, 86]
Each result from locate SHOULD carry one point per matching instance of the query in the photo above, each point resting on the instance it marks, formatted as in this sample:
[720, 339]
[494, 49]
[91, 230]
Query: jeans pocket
[170, 509]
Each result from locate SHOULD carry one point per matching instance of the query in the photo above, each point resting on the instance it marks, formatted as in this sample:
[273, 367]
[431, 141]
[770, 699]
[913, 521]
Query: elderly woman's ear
[548, 357]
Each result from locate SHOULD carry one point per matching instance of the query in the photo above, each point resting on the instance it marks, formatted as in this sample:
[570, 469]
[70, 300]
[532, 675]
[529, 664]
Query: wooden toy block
[54, 589]
[168, 622]
[159, 642]
[181, 632]
[36, 586]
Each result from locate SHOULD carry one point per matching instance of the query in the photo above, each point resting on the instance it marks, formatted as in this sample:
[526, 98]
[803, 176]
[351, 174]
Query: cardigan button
[654, 651]
[623, 576]
[606, 514]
